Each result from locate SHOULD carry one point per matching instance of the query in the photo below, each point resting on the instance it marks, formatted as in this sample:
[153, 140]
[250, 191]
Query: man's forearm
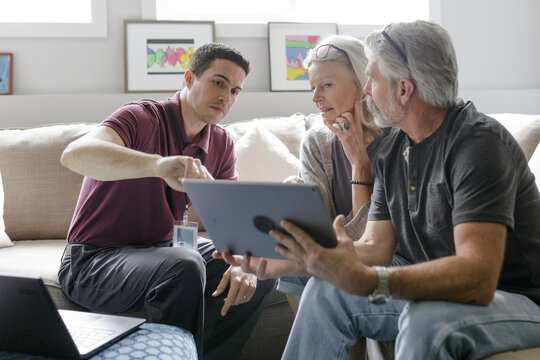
[371, 255]
[470, 276]
[102, 160]
[449, 279]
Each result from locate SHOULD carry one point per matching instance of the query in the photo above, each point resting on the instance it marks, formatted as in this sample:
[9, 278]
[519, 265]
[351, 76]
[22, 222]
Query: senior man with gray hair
[454, 196]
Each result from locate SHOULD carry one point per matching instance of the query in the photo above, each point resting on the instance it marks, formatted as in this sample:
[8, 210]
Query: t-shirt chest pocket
[438, 211]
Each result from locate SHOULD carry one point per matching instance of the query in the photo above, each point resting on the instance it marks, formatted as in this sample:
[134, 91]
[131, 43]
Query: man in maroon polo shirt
[119, 257]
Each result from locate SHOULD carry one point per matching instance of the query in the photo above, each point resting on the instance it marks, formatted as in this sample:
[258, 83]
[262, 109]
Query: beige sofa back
[40, 194]
[32, 174]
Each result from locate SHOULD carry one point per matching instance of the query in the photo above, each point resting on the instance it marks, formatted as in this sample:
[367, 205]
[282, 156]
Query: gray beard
[395, 112]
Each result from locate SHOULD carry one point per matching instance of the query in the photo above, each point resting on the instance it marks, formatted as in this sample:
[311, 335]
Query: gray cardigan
[316, 168]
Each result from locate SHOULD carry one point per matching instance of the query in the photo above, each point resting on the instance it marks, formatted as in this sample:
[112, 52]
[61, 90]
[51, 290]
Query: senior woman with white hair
[336, 155]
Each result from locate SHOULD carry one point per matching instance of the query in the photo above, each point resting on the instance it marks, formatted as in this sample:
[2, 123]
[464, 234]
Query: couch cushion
[32, 173]
[263, 157]
[4, 239]
[534, 164]
[524, 128]
[35, 258]
[150, 341]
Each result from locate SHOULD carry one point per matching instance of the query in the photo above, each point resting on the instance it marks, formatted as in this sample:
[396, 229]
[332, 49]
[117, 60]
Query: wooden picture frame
[156, 53]
[6, 73]
[288, 46]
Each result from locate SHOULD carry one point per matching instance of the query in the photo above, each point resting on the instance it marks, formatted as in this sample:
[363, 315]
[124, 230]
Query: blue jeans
[293, 285]
[329, 320]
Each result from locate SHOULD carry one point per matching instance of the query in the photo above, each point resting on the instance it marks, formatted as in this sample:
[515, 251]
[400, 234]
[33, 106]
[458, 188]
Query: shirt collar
[204, 142]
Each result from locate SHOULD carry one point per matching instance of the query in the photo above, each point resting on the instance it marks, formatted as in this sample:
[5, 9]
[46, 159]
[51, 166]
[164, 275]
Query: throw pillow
[4, 238]
[288, 129]
[263, 157]
[524, 128]
[534, 164]
[313, 120]
[238, 129]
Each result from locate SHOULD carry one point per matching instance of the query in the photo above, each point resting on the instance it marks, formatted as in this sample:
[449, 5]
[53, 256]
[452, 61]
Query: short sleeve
[227, 170]
[135, 124]
[483, 176]
[379, 208]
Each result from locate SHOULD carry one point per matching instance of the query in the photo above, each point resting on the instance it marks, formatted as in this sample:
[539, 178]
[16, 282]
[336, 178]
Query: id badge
[185, 234]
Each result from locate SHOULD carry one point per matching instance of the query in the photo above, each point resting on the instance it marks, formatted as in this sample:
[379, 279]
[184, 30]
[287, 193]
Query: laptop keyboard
[85, 336]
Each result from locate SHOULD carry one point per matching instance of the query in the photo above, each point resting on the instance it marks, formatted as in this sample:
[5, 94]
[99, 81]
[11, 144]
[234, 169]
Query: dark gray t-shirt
[469, 169]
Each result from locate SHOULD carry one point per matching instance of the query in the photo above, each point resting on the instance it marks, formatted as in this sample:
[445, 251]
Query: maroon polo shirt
[142, 211]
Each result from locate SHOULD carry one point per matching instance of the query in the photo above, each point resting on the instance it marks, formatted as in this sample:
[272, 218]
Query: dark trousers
[174, 286]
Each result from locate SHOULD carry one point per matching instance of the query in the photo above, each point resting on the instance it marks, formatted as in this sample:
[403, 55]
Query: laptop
[31, 323]
[238, 215]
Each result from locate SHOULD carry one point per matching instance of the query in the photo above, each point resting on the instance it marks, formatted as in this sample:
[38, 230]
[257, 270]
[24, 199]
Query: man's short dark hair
[204, 56]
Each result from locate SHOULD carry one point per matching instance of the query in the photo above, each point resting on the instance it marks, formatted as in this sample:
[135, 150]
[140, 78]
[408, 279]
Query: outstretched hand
[261, 267]
[173, 169]
[242, 286]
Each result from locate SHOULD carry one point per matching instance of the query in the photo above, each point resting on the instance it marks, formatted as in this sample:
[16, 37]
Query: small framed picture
[157, 53]
[289, 44]
[6, 73]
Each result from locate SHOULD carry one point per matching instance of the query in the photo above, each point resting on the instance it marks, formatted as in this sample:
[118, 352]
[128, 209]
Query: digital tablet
[238, 215]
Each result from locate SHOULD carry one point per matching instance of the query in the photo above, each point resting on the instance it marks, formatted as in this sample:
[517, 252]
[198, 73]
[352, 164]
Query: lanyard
[178, 135]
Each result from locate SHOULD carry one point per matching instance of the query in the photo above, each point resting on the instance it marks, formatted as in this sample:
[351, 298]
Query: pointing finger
[222, 284]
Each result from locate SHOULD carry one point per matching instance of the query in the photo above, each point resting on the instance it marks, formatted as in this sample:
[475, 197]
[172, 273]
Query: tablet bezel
[228, 208]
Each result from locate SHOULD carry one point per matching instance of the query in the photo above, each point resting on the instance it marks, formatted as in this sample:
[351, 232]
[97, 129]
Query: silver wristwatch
[381, 294]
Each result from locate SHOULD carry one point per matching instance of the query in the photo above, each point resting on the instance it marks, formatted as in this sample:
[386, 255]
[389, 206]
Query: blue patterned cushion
[151, 341]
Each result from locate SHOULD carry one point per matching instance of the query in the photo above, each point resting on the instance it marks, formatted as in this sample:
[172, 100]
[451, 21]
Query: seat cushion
[150, 341]
[34, 258]
[154, 341]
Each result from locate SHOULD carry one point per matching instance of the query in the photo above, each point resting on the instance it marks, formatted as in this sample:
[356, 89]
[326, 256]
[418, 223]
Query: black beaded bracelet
[365, 183]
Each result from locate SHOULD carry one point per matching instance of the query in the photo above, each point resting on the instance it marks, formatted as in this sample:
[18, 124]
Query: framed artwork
[6, 73]
[157, 53]
[289, 44]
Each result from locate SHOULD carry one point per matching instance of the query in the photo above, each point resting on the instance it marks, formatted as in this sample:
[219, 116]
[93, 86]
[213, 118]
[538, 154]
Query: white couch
[39, 197]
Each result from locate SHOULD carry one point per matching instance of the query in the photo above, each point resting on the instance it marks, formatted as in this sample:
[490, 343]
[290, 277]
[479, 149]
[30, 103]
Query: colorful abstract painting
[5, 74]
[296, 49]
[168, 56]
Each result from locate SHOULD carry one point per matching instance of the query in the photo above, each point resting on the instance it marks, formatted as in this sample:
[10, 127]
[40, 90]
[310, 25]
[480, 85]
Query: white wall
[96, 65]
[497, 42]
[73, 65]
